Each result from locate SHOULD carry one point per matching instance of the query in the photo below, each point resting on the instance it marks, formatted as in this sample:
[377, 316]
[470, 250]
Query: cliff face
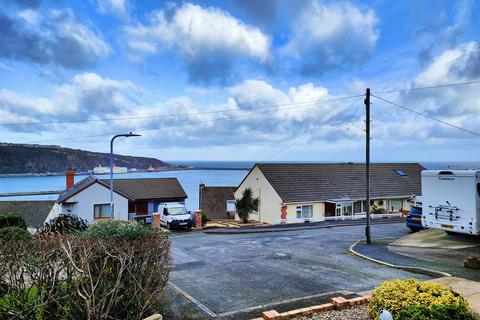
[17, 159]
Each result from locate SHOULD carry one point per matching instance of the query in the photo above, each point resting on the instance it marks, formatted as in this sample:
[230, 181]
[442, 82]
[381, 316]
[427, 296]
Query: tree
[246, 204]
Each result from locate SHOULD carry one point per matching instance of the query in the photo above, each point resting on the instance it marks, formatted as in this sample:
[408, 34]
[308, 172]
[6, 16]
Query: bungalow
[300, 192]
[35, 212]
[134, 199]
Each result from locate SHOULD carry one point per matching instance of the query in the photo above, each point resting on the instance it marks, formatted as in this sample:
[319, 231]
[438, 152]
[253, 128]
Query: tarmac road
[227, 273]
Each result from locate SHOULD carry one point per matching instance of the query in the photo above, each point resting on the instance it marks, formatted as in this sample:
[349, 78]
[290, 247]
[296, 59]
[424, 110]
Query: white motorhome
[451, 200]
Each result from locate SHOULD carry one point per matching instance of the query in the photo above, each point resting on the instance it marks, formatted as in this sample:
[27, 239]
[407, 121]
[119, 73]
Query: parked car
[414, 219]
[175, 216]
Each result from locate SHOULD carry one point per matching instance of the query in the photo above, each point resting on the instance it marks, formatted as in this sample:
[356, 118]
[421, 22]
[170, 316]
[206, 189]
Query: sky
[268, 80]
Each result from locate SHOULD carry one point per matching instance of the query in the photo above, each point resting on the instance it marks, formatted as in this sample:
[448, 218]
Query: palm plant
[246, 204]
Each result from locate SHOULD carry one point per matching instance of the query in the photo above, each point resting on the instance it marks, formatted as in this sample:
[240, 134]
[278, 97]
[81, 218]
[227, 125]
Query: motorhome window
[445, 172]
[177, 211]
[401, 173]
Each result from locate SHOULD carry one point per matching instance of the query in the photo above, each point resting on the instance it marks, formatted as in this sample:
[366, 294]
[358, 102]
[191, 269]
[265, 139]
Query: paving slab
[469, 289]
[432, 238]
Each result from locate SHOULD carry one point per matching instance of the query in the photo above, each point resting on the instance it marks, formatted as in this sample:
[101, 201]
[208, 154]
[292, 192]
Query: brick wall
[213, 200]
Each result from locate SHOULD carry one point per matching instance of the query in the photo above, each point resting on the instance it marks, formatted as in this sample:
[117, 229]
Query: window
[401, 173]
[304, 212]
[231, 205]
[395, 205]
[101, 211]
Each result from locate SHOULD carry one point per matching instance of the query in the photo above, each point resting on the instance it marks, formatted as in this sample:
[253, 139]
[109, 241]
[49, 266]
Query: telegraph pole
[367, 163]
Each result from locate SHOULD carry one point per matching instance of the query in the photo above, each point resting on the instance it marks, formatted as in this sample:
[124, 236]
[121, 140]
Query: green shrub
[204, 218]
[63, 224]
[12, 219]
[78, 277]
[119, 230]
[437, 312]
[377, 210]
[13, 234]
[397, 295]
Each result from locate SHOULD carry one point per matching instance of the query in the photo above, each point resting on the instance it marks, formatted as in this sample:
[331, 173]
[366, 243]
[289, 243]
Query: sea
[214, 173]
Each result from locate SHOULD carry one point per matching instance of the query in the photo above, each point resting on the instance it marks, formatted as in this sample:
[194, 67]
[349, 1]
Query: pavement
[232, 275]
[302, 226]
[438, 239]
[417, 257]
[469, 289]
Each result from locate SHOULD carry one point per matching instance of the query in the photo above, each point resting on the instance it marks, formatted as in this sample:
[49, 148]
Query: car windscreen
[177, 211]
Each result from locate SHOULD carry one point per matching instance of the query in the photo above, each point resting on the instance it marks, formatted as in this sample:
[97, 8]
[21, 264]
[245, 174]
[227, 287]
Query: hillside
[23, 158]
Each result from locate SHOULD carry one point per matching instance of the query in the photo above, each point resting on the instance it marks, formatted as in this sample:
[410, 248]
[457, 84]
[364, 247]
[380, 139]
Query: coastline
[81, 173]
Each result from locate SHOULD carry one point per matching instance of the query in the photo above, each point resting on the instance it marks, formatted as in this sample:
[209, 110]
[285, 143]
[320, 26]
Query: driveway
[228, 273]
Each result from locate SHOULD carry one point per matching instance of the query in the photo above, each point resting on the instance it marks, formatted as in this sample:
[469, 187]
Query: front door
[338, 211]
[141, 208]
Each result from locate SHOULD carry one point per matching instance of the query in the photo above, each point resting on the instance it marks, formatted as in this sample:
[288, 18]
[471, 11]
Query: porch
[349, 209]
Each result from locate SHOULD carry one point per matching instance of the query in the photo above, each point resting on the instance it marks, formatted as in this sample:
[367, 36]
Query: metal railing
[358, 216]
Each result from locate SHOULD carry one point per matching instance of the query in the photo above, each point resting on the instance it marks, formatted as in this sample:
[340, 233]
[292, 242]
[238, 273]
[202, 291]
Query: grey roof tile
[149, 188]
[326, 181]
[135, 189]
[34, 212]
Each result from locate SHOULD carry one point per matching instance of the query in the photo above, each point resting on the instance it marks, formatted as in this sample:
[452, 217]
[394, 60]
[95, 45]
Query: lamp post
[111, 165]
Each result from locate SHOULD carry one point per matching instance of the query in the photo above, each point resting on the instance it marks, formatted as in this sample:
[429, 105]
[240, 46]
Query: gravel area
[353, 313]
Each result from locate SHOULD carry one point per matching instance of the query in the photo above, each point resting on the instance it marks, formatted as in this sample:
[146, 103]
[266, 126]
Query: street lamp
[111, 165]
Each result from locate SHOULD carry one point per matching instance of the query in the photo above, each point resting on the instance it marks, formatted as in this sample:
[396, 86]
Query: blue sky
[168, 68]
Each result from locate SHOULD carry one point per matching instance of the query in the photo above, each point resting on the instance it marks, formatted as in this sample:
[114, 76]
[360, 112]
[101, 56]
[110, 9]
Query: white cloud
[461, 64]
[258, 93]
[116, 7]
[208, 40]
[88, 96]
[335, 35]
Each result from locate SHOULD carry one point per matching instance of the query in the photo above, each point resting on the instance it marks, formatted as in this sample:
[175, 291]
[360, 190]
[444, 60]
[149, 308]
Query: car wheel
[168, 226]
[450, 233]
[414, 229]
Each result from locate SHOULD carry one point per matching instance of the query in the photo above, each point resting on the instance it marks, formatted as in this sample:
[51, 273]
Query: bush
[14, 234]
[204, 218]
[63, 224]
[377, 210]
[246, 205]
[77, 277]
[12, 219]
[396, 295]
[119, 230]
[437, 312]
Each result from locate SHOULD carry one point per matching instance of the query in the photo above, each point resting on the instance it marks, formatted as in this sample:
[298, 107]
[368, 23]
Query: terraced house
[309, 192]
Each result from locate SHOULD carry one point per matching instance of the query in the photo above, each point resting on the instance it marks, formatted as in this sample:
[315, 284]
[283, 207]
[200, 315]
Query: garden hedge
[85, 276]
[12, 219]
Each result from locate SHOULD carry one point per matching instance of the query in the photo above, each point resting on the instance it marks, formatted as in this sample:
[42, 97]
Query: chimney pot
[70, 178]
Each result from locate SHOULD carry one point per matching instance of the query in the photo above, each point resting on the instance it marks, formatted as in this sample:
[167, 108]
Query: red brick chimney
[70, 178]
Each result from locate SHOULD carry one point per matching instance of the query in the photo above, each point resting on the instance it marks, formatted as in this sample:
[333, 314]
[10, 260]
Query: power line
[194, 122]
[300, 104]
[427, 116]
[303, 136]
[432, 87]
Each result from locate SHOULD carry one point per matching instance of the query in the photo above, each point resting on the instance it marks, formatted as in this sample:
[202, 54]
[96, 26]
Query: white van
[451, 200]
[174, 215]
